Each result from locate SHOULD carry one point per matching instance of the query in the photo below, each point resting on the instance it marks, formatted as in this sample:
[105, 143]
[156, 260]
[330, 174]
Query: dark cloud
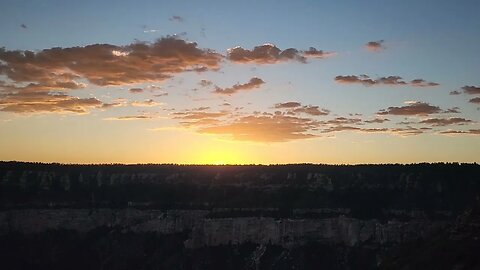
[136, 90]
[455, 92]
[276, 128]
[294, 108]
[452, 110]
[363, 79]
[271, 54]
[389, 80]
[422, 83]
[112, 105]
[340, 128]
[105, 64]
[445, 121]
[252, 84]
[375, 46]
[290, 104]
[377, 120]
[407, 131]
[45, 102]
[471, 90]
[414, 108]
[314, 53]
[475, 100]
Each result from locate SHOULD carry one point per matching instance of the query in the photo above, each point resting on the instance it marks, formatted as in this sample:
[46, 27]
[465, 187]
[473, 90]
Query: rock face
[258, 216]
[206, 231]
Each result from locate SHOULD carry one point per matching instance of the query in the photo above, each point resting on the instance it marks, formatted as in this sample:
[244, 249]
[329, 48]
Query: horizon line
[237, 164]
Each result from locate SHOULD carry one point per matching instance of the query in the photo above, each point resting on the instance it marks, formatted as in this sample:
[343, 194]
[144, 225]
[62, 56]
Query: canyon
[258, 217]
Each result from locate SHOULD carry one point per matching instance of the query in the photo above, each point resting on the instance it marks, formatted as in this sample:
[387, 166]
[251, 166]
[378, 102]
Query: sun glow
[220, 157]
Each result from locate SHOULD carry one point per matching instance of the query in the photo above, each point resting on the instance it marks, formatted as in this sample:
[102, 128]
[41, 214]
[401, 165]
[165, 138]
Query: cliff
[258, 217]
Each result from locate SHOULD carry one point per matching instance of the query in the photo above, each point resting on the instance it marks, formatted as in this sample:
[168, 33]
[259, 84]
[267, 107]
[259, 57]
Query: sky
[240, 82]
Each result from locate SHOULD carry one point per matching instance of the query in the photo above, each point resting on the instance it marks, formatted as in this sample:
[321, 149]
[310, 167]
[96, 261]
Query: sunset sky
[214, 82]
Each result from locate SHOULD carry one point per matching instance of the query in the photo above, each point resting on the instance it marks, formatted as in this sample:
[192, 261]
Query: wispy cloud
[388, 80]
[288, 105]
[254, 82]
[176, 18]
[276, 128]
[145, 103]
[294, 108]
[44, 102]
[446, 121]
[461, 132]
[129, 118]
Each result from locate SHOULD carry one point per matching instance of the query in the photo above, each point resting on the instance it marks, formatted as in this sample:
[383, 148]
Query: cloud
[276, 128]
[200, 122]
[271, 54]
[176, 18]
[407, 131]
[105, 64]
[413, 108]
[363, 79]
[375, 46]
[205, 83]
[461, 132]
[377, 120]
[475, 100]
[314, 53]
[422, 83]
[45, 102]
[452, 110]
[129, 118]
[294, 108]
[340, 128]
[196, 115]
[252, 84]
[145, 103]
[388, 80]
[136, 90]
[455, 92]
[471, 90]
[311, 110]
[199, 117]
[290, 104]
[344, 120]
[445, 121]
